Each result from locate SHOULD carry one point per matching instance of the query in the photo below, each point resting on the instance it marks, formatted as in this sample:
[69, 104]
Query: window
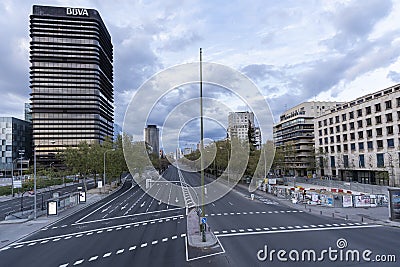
[331, 130]
[352, 136]
[380, 162]
[378, 119]
[377, 107]
[351, 125]
[346, 161]
[345, 147]
[344, 127]
[361, 146]
[332, 149]
[359, 112]
[330, 120]
[389, 130]
[360, 135]
[320, 132]
[361, 161]
[326, 140]
[369, 133]
[338, 149]
[320, 141]
[320, 124]
[332, 161]
[368, 121]
[368, 110]
[337, 128]
[332, 139]
[390, 143]
[337, 119]
[325, 131]
[352, 146]
[359, 124]
[338, 138]
[345, 137]
[379, 143]
[351, 114]
[398, 115]
[344, 117]
[389, 117]
[388, 104]
[378, 131]
[398, 102]
[370, 145]
[325, 122]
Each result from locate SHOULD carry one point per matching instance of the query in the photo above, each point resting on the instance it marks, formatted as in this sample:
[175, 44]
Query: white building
[239, 124]
[359, 140]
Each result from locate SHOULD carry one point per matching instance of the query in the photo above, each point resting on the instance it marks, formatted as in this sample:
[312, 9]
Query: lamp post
[104, 168]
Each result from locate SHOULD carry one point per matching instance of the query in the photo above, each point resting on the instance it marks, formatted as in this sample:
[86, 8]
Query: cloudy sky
[293, 51]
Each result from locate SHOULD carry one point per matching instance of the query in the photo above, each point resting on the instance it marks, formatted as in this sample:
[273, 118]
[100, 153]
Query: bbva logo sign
[77, 11]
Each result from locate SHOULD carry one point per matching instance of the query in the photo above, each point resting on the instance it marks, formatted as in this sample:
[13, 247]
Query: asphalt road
[130, 228]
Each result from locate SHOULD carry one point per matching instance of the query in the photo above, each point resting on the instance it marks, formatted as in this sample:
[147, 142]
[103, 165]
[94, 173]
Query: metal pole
[12, 179]
[203, 236]
[34, 183]
[104, 171]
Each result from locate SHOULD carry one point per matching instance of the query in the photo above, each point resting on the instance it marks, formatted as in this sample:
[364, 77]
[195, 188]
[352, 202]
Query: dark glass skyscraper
[72, 96]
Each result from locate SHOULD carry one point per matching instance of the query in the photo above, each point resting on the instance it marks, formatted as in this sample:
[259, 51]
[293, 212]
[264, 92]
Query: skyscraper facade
[71, 78]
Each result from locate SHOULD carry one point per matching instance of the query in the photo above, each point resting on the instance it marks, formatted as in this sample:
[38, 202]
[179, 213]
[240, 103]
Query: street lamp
[104, 161]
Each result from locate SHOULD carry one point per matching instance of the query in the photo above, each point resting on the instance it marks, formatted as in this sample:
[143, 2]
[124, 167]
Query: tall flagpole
[203, 233]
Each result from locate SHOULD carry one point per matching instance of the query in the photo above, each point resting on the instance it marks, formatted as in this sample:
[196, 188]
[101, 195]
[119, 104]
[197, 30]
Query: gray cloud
[394, 76]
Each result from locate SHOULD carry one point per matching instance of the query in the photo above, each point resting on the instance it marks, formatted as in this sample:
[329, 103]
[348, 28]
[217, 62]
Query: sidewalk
[377, 215]
[14, 230]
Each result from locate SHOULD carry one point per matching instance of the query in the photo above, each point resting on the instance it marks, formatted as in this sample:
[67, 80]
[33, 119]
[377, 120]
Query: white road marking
[19, 246]
[183, 235]
[57, 239]
[143, 245]
[93, 258]
[216, 232]
[174, 237]
[165, 239]
[44, 242]
[91, 233]
[31, 244]
[266, 228]
[328, 225]
[68, 237]
[107, 255]
[298, 230]
[290, 227]
[99, 232]
[132, 248]
[154, 242]
[281, 227]
[241, 230]
[274, 228]
[224, 232]
[78, 262]
[79, 235]
[230, 203]
[64, 265]
[120, 251]
[233, 231]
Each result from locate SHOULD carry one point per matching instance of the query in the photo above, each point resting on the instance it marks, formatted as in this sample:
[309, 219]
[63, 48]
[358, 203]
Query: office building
[28, 112]
[152, 139]
[294, 138]
[71, 78]
[15, 145]
[359, 140]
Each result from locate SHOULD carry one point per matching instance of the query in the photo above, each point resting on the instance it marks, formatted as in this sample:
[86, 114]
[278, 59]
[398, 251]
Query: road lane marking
[44, 242]
[120, 251]
[165, 239]
[143, 245]
[132, 248]
[298, 230]
[93, 258]
[66, 238]
[78, 235]
[32, 244]
[78, 262]
[174, 237]
[19, 246]
[57, 239]
[64, 265]
[154, 242]
[107, 255]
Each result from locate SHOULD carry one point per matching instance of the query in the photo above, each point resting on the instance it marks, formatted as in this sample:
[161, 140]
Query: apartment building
[359, 140]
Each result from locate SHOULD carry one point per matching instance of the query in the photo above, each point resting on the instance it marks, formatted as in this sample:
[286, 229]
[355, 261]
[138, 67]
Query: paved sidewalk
[14, 230]
[378, 215]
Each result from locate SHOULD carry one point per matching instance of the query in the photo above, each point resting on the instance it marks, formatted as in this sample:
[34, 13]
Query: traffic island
[195, 238]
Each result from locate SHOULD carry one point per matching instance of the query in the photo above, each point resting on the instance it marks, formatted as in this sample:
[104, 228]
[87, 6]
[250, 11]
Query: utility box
[394, 204]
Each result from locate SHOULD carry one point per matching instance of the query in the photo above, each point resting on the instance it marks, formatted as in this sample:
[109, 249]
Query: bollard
[347, 217]
[362, 218]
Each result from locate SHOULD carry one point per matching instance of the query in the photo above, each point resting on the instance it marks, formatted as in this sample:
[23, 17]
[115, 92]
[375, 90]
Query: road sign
[17, 184]
[204, 220]
[252, 196]
[99, 184]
